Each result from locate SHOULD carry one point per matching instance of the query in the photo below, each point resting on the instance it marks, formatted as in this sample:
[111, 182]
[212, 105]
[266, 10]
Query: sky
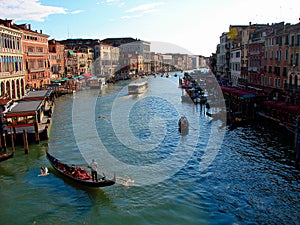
[176, 26]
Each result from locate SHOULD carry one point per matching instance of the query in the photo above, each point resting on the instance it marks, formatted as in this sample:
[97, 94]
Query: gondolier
[94, 167]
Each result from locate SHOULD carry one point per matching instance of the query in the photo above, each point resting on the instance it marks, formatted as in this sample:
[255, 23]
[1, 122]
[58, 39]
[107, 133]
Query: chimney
[41, 31]
[29, 26]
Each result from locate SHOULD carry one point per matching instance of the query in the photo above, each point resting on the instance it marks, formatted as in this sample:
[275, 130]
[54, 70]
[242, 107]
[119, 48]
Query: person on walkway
[207, 106]
[94, 167]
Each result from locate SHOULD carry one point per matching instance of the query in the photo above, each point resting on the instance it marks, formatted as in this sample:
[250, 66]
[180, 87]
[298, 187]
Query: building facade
[12, 73]
[36, 57]
[262, 56]
[56, 59]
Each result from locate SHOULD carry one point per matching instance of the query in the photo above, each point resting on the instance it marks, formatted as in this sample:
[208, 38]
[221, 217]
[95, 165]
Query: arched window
[2, 86]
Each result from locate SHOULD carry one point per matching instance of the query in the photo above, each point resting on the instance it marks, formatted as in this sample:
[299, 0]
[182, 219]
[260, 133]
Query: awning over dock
[24, 108]
[293, 109]
[243, 94]
[37, 95]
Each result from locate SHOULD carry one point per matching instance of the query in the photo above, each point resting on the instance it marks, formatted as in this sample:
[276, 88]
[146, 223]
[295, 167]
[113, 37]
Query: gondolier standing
[94, 167]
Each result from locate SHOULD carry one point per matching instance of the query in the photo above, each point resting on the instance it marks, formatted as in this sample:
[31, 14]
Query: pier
[29, 119]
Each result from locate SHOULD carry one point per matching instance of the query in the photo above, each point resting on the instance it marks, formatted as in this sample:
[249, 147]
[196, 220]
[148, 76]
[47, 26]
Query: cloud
[142, 10]
[76, 11]
[28, 10]
[145, 7]
[118, 3]
[132, 16]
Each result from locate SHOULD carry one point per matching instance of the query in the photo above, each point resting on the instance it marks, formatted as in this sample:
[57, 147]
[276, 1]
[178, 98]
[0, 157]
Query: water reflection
[252, 179]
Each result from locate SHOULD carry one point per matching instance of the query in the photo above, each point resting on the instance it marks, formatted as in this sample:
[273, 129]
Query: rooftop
[37, 94]
[25, 106]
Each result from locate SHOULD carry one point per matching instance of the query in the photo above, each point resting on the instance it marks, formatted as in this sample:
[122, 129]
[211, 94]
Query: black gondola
[72, 173]
[6, 156]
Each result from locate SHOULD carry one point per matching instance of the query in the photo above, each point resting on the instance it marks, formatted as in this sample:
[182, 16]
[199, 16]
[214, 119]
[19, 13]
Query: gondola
[72, 173]
[6, 156]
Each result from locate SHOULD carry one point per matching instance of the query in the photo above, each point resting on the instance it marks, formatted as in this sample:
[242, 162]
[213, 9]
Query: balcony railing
[9, 50]
[36, 70]
[36, 54]
[12, 74]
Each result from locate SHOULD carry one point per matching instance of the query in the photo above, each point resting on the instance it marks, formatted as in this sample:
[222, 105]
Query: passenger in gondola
[94, 167]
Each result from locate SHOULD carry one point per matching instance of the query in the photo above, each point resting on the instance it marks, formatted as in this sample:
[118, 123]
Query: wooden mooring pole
[4, 146]
[37, 136]
[25, 141]
[12, 140]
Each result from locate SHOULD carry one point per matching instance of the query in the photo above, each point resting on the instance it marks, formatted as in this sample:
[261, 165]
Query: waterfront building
[99, 58]
[56, 59]
[167, 62]
[276, 57]
[79, 43]
[132, 64]
[247, 34]
[195, 61]
[203, 61]
[85, 59]
[78, 63]
[116, 42]
[180, 61]
[35, 52]
[82, 63]
[223, 56]
[141, 51]
[156, 62]
[261, 56]
[12, 73]
[292, 86]
[235, 64]
[108, 61]
[256, 64]
[282, 52]
[71, 62]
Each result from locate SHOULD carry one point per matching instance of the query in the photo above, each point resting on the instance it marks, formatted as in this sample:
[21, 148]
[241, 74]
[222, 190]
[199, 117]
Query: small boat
[6, 156]
[96, 83]
[137, 87]
[183, 125]
[78, 174]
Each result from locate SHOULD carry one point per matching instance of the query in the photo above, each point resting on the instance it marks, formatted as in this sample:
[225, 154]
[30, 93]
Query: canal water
[212, 175]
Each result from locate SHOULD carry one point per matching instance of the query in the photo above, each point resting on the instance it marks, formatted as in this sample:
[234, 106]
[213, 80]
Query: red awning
[237, 92]
[293, 109]
[88, 75]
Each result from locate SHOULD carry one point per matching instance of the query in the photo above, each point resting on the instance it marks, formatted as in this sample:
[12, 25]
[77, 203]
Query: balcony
[36, 54]
[9, 50]
[12, 74]
[36, 70]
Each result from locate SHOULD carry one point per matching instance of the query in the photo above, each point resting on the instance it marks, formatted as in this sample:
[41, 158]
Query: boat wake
[125, 181]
